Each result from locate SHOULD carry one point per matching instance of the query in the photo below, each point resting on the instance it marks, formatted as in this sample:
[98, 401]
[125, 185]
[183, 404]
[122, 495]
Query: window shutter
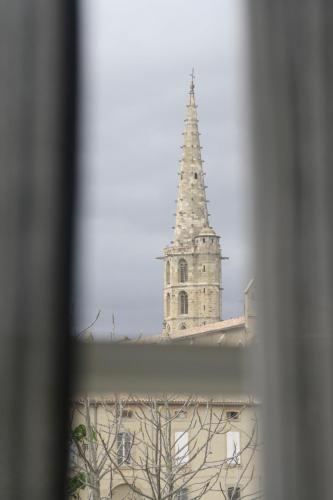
[127, 447]
[181, 447]
[233, 447]
[120, 448]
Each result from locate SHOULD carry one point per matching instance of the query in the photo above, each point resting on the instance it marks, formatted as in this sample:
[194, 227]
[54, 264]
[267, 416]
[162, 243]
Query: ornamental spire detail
[191, 213]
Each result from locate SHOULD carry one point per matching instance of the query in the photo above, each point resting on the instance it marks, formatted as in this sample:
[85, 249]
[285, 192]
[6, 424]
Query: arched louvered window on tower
[168, 304]
[183, 303]
[167, 273]
[182, 271]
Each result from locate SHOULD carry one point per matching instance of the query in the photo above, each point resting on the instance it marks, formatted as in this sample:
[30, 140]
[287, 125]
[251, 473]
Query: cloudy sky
[136, 60]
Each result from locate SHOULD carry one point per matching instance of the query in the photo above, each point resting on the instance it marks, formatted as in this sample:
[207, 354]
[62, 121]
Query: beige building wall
[245, 475]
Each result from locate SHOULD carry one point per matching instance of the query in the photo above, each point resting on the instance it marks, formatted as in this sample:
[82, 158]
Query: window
[180, 414]
[123, 413]
[168, 304]
[181, 447]
[233, 447]
[127, 413]
[203, 268]
[203, 240]
[195, 175]
[183, 303]
[181, 494]
[73, 458]
[232, 415]
[234, 493]
[124, 444]
[167, 273]
[182, 271]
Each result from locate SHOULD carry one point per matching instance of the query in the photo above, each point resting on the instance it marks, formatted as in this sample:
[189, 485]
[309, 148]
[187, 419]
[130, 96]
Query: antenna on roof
[113, 331]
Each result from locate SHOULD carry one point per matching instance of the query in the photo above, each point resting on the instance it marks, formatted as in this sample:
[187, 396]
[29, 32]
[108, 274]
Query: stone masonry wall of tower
[192, 263]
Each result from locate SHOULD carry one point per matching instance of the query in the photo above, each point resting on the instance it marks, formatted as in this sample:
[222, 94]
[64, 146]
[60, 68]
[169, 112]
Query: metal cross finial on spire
[192, 81]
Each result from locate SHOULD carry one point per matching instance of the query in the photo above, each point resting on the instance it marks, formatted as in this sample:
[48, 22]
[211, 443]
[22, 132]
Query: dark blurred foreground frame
[292, 82]
[37, 140]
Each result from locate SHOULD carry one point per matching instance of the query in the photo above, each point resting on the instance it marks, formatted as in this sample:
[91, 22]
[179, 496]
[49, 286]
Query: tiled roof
[199, 399]
[219, 326]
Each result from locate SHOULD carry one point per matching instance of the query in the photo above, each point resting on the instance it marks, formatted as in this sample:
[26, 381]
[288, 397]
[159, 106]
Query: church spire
[192, 273]
[191, 214]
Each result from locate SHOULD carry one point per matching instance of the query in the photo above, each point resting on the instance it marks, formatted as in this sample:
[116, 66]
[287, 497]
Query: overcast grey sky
[136, 60]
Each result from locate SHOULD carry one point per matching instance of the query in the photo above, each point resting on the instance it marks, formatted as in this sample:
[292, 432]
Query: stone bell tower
[192, 263]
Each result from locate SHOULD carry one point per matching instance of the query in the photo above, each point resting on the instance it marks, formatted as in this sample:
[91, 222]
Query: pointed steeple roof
[191, 214]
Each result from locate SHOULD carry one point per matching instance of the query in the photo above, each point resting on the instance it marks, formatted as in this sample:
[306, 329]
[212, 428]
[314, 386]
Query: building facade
[166, 447]
[192, 263]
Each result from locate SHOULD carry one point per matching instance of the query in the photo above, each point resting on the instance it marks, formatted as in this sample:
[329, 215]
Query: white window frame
[233, 447]
[181, 447]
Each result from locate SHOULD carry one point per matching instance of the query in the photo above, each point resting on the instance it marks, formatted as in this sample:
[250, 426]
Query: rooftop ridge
[225, 324]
